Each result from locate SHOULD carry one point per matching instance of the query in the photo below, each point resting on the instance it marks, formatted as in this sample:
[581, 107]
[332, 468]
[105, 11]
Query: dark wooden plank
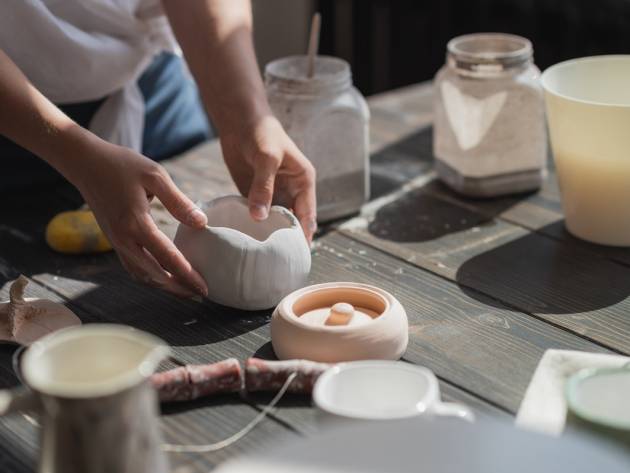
[16, 455]
[198, 332]
[212, 420]
[465, 337]
[299, 413]
[24, 217]
[217, 332]
[111, 284]
[198, 422]
[18, 436]
[481, 408]
[540, 212]
[98, 290]
[563, 284]
[428, 231]
[396, 164]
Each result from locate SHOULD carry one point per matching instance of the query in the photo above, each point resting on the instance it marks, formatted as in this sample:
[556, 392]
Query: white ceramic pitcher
[98, 412]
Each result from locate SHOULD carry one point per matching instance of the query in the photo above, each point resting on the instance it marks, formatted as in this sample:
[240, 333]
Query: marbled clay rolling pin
[264, 375]
[194, 381]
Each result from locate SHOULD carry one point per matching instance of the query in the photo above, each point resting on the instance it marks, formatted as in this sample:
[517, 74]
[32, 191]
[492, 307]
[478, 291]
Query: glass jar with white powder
[489, 135]
[328, 120]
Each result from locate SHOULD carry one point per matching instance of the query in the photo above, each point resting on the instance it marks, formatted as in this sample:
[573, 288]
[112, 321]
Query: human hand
[118, 184]
[268, 167]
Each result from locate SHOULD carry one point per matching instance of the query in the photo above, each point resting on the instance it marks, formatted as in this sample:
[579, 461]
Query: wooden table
[488, 286]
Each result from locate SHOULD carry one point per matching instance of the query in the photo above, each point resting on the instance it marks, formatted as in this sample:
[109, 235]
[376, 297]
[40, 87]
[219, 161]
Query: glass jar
[328, 119]
[489, 134]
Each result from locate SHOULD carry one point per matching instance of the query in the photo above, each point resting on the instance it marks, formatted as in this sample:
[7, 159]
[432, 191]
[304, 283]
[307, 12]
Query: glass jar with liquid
[328, 119]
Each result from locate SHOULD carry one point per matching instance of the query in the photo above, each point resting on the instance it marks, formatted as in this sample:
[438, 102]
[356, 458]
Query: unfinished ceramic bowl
[247, 264]
[340, 321]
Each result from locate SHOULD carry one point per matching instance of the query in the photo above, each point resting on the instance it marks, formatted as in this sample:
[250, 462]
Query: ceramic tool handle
[452, 409]
[17, 400]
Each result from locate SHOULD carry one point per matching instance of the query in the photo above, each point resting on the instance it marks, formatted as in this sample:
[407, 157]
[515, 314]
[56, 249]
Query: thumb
[261, 190]
[176, 202]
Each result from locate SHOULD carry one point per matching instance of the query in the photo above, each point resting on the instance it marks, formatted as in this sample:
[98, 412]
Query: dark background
[392, 43]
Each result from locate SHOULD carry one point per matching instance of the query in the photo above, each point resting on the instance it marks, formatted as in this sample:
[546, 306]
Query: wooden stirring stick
[313, 43]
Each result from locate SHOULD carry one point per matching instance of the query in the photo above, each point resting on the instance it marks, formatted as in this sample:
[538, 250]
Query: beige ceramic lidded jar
[341, 321]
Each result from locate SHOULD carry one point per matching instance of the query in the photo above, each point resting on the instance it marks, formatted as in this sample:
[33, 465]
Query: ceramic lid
[346, 305]
[600, 395]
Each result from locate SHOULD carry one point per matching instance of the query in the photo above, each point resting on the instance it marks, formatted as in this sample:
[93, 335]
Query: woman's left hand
[268, 167]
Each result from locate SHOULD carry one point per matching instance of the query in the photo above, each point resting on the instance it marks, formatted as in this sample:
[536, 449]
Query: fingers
[305, 203]
[305, 209]
[307, 221]
[144, 268]
[170, 258]
[159, 183]
[261, 190]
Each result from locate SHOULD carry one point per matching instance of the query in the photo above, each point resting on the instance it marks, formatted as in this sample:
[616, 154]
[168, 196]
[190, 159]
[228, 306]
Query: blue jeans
[175, 121]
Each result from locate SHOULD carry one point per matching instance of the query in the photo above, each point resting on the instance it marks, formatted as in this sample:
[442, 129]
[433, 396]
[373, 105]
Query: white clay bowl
[247, 264]
[377, 331]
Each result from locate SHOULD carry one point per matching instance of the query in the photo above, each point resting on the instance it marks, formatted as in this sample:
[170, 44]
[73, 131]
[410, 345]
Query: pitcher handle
[453, 409]
[17, 400]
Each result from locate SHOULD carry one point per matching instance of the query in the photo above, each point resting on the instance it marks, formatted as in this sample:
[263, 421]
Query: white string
[31, 420]
[213, 447]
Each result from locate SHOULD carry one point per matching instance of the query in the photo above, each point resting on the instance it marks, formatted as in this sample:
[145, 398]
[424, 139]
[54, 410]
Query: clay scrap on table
[194, 381]
[263, 375]
[25, 320]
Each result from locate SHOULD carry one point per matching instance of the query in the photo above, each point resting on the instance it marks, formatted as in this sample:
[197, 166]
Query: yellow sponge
[76, 232]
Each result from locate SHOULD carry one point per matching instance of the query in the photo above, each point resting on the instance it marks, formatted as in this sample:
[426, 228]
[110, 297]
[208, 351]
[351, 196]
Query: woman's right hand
[118, 184]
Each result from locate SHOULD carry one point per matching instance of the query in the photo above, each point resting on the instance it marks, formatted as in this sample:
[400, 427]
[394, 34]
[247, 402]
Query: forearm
[216, 37]
[33, 122]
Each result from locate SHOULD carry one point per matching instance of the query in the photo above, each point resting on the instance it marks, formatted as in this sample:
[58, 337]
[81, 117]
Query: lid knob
[340, 314]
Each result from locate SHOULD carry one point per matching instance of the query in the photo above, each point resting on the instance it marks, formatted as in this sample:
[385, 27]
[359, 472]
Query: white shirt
[83, 50]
